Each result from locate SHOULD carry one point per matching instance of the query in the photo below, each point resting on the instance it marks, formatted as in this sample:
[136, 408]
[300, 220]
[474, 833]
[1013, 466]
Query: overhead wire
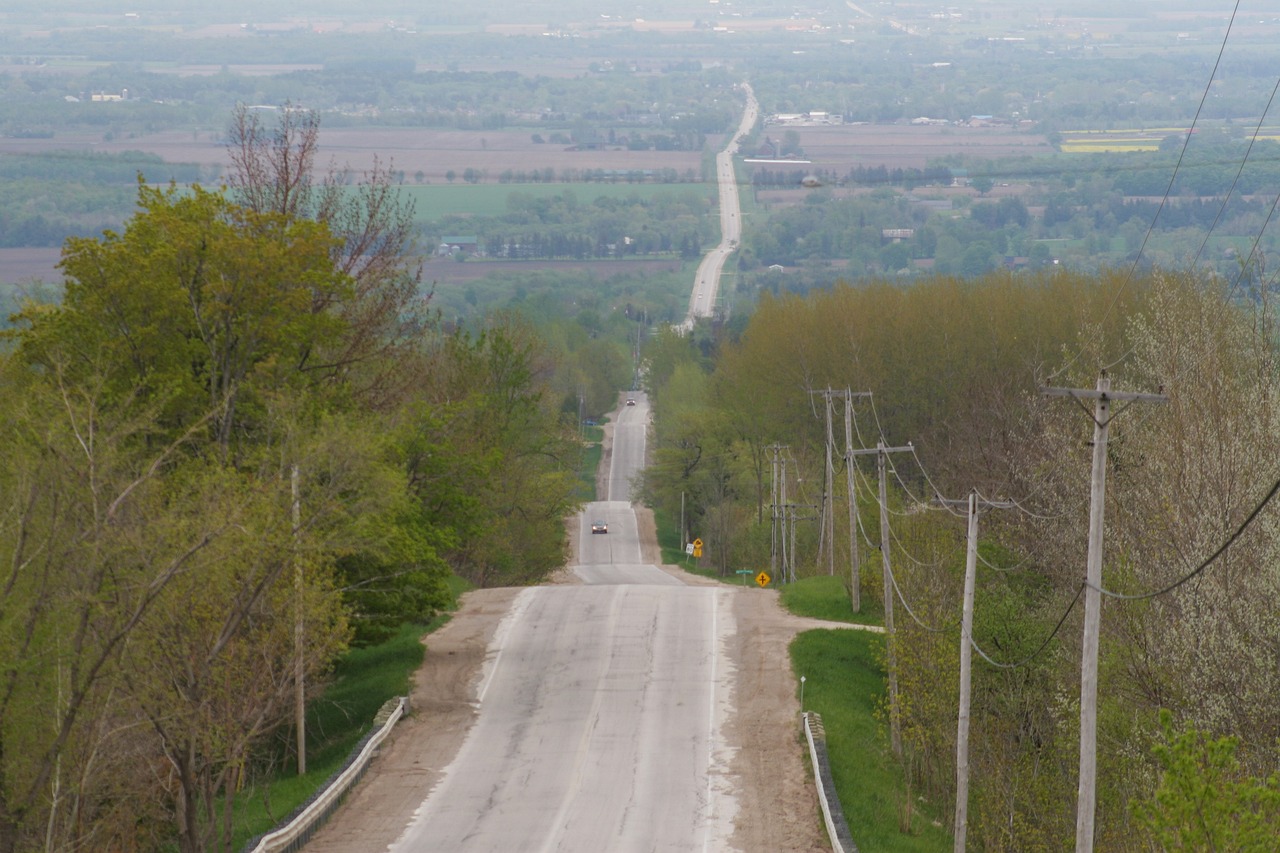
[1026, 660]
[893, 581]
[1115, 300]
[1222, 549]
[1257, 131]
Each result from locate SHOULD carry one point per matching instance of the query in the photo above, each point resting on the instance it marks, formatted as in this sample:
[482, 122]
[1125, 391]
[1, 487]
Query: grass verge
[336, 720]
[844, 682]
[592, 451]
[824, 597]
[674, 555]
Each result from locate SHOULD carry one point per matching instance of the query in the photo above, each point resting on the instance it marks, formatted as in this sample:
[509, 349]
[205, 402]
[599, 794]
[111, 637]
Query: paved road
[706, 281]
[602, 707]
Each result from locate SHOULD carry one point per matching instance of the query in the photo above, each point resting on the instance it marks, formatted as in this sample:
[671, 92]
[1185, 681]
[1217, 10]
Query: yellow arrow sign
[697, 550]
[763, 579]
[697, 543]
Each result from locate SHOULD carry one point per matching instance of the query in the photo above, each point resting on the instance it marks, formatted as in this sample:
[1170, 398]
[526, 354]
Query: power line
[1115, 300]
[898, 591]
[1257, 131]
[1222, 549]
[1024, 661]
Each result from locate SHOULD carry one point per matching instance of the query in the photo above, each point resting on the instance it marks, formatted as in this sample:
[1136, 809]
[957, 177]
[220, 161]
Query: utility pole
[975, 504]
[827, 532]
[773, 509]
[855, 564]
[790, 515]
[895, 722]
[785, 520]
[827, 539]
[829, 497]
[299, 630]
[1103, 396]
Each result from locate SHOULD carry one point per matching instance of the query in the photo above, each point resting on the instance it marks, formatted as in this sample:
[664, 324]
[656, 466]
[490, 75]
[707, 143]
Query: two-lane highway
[706, 281]
[601, 707]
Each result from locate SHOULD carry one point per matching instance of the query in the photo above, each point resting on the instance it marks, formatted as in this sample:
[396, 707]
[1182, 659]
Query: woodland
[240, 444]
[1187, 729]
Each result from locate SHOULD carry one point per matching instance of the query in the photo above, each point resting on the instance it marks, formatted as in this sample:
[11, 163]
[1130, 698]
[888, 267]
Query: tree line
[561, 226]
[954, 367]
[241, 421]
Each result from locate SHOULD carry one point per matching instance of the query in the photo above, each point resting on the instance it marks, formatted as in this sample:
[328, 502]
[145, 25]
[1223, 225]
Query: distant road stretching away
[706, 282]
[601, 709]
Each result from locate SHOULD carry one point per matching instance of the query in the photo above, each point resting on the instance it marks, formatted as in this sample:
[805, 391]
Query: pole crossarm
[868, 451]
[1104, 398]
[1094, 394]
[982, 503]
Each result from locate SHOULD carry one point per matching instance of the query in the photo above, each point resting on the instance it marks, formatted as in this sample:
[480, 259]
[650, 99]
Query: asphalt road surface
[601, 709]
[706, 281]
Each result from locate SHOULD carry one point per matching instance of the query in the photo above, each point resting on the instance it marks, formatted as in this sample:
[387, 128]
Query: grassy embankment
[362, 681]
[845, 683]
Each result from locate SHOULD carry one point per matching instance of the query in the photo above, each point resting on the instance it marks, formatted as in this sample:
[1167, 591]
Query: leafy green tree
[1203, 802]
[490, 459]
[196, 305]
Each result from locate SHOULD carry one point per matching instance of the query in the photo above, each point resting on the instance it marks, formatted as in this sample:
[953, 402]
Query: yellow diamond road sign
[697, 543]
[763, 579]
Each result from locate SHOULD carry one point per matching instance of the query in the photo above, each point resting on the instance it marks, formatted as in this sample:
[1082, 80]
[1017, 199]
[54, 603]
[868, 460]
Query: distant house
[777, 268]
[896, 235]
[453, 244]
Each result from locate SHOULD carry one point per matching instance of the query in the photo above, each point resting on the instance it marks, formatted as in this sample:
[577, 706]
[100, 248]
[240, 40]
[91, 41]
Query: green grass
[362, 681]
[844, 683]
[435, 201]
[824, 597]
[592, 452]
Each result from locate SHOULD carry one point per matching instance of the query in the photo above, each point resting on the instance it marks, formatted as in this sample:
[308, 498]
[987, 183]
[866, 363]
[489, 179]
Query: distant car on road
[631, 402]
[599, 527]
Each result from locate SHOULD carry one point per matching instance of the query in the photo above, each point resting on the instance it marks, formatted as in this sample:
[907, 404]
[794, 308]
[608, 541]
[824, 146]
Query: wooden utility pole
[827, 539]
[774, 506]
[1103, 396]
[855, 566]
[784, 505]
[966, 653]
[299, 631]
[826, 533]
[895, 722]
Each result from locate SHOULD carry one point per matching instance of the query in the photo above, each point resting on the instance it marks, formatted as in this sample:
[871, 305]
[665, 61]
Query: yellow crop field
[1138, 139]
[1096, 146]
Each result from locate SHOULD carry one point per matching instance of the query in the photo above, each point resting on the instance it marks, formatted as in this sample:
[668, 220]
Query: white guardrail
[832, 813]
[292, 835]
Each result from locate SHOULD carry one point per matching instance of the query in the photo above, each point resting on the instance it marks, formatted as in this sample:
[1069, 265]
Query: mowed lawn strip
[845, 683]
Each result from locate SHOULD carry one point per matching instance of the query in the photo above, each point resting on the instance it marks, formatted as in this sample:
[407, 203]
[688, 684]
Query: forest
[954, 369]
[240, 444]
